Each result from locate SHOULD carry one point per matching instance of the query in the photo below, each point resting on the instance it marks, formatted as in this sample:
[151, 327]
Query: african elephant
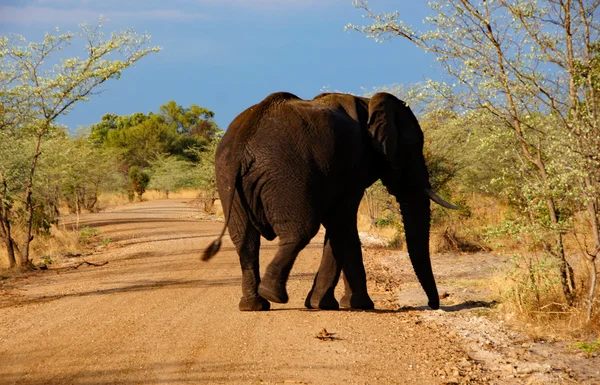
[286, 165]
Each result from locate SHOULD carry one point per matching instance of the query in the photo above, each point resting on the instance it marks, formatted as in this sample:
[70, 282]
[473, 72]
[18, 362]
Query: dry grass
[447, 239]
[465, 230]
[451, 231]
[530, 286]
[152, 195]
[531, 296]
[63, 241]
[110, 200]
[106, 201]
[207, 203]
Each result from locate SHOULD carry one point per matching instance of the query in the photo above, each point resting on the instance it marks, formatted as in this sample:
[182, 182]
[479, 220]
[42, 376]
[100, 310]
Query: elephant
[286, 166]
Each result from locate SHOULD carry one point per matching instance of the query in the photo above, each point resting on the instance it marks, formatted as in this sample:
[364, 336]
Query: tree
[144, 142]
[170, 174]
[34, 94]
[532, 67]
[194, 120]
[76, 172]
[13, 171]
[143, 138]
[100, 131]
[205, 173]
[138, 180]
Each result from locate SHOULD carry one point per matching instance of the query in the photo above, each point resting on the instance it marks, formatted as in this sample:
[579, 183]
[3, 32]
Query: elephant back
[356, 107]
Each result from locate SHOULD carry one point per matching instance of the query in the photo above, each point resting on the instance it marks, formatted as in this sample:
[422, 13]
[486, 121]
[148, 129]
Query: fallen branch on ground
[89, 264]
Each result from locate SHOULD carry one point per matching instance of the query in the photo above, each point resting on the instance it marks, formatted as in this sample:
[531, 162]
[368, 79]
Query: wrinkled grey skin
[286, 165]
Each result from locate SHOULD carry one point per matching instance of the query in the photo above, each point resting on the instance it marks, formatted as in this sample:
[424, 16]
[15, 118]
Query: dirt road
[155, 314]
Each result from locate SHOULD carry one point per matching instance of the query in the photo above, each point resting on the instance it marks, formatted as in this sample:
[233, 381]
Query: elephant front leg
[342, 252]
[356, 298]
[321, 295]
[355, 277]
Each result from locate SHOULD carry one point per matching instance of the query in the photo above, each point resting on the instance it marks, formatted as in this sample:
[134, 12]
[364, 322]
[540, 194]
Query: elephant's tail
[215, 245]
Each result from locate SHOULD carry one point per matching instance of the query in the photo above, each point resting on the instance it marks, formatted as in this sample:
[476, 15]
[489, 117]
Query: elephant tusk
[434, 197]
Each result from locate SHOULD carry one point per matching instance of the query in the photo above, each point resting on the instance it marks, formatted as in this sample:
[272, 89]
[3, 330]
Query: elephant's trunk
[416, 216]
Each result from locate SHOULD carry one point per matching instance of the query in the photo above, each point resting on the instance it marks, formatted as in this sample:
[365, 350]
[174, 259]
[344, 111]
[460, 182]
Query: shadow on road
[466, 305]
[125, 221]
[152, 285]
[404, 309]
[196, 372]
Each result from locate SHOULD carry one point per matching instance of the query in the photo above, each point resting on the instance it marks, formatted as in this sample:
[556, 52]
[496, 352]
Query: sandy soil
[155, 314]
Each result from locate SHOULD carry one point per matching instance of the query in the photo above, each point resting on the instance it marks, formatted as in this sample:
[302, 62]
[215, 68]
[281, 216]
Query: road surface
[156, 314]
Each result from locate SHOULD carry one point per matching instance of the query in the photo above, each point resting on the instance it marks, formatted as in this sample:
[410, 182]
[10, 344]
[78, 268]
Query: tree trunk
[7, 236]
[592, 208]
[77, 208]
[556, 249]
[370, 213]
[29, 206]
[5, 231]
[567, 279]
[12, 262]
[592, 290]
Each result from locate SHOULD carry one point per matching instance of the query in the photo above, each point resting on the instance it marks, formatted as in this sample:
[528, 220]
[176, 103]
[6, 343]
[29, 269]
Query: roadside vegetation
[47, 171]
[513, 136]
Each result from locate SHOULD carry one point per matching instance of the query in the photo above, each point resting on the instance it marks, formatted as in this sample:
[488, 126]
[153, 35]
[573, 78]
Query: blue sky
[226, 55]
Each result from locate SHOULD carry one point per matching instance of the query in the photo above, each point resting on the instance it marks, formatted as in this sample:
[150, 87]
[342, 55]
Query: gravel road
[156, 314]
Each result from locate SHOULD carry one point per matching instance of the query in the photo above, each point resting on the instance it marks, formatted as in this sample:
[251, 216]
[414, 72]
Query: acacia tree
[33, 94]
[171, 174]
[194, 120]
[534, 66]
[12, 173]
[143, 138]
[75, 172]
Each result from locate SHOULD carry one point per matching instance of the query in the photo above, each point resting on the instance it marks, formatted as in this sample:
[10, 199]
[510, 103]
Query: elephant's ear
[382, 125]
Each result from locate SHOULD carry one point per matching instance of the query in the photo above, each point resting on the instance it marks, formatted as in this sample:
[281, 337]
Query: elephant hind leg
[295, 218]
[252, 301]
[247, 242]
[273, 285]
